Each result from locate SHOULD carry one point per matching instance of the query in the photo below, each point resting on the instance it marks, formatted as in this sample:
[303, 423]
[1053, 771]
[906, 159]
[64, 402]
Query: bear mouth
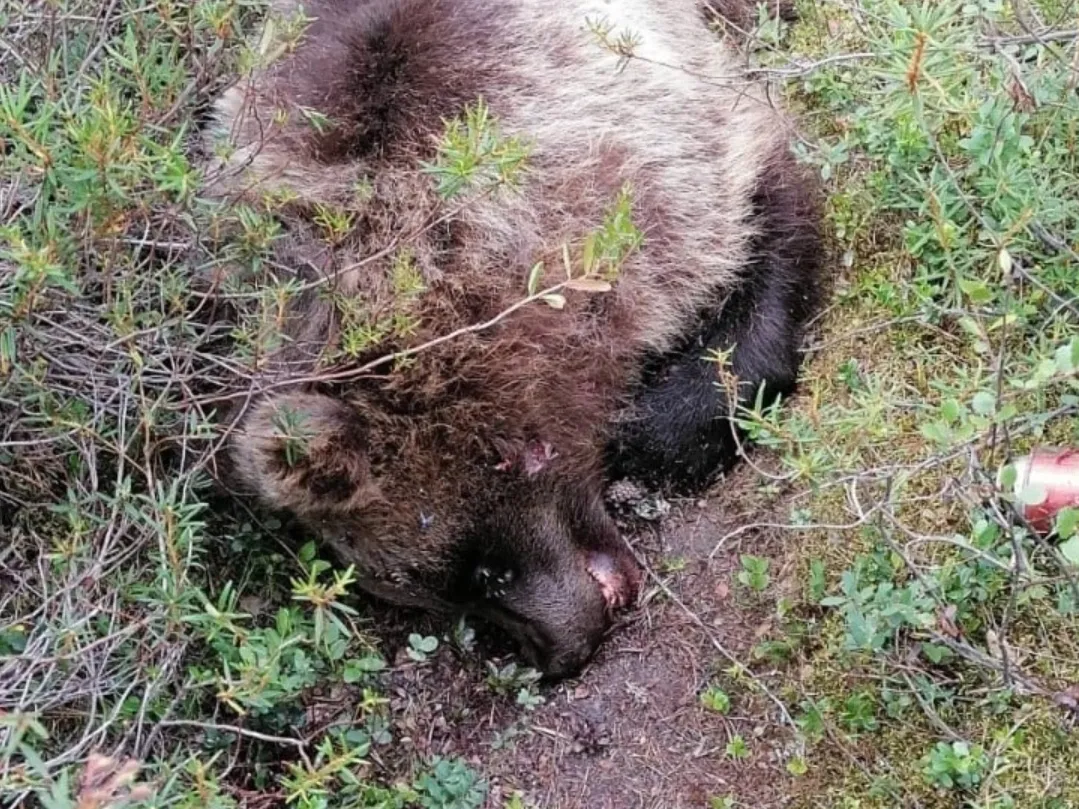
[538, 647]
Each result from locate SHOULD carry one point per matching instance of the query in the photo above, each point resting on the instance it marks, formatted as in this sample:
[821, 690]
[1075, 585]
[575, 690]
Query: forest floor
[857, 618]
[631, 732]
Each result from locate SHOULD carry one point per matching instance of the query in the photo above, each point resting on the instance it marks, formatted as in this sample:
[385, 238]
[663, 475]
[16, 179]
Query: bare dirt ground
[631, 732]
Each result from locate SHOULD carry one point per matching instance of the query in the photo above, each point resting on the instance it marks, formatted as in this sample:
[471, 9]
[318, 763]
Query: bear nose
[560, 661]
[569, 663]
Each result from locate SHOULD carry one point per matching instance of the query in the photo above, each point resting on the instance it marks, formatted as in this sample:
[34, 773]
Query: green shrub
[945, 133]
[135, 613]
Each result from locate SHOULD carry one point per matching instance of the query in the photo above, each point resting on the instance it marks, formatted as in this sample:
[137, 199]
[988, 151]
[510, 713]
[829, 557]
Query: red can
[1047, 481]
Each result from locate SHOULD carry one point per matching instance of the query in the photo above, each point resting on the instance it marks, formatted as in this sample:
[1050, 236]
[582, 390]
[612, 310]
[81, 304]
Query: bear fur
[471, 477]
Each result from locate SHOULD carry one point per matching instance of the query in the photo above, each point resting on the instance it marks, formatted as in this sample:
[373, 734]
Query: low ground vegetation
[159, 647]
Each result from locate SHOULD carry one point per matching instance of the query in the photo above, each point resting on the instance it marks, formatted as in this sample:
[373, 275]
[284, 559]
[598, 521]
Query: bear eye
[492, 581]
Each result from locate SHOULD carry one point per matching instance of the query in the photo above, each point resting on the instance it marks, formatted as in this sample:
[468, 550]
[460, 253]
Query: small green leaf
[554, 300]
[936, 653]
[754, 573]
[1008, 475]
[797, 766]
[983, 403]
[352, 672]
[1070, 549]
[534, 278]
[1045, 370]
[985, 534]
[371, 663]
[8, 350]
[422, 644]
[737, 747]
[1065, 357]
[818, 582]
[936, 431]
[977, 291]
[971, 327]
[1000, 322]
[950, 410]
[715, 700]
[1066, 523]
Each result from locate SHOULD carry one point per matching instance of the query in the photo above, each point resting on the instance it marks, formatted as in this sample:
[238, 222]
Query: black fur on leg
[677, 434]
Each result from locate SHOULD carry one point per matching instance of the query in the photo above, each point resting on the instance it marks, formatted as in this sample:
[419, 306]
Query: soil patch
[631, 731]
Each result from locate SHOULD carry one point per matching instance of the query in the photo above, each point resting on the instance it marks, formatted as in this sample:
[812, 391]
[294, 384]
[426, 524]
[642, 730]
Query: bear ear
[303, 452]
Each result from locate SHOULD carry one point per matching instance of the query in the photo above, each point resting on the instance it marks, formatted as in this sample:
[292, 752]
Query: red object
[1050, 478]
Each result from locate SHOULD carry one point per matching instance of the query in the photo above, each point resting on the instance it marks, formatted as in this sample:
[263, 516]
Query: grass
[930, 655]
[135, 617]
[935, 641]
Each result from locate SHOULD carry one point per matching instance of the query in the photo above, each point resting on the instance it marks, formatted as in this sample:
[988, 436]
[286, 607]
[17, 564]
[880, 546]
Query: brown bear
[464, 372]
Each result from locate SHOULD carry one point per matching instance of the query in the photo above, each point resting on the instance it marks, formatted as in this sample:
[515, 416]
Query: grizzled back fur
[472, 476]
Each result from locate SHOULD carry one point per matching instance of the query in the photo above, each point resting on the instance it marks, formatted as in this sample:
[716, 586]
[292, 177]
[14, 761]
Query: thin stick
[239, 731]
[719, 647]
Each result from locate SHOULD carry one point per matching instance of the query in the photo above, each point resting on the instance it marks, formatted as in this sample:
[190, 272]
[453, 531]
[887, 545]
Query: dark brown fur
[472, 477]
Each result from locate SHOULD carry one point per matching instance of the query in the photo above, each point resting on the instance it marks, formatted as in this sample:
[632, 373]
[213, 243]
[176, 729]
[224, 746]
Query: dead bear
[469, 475]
